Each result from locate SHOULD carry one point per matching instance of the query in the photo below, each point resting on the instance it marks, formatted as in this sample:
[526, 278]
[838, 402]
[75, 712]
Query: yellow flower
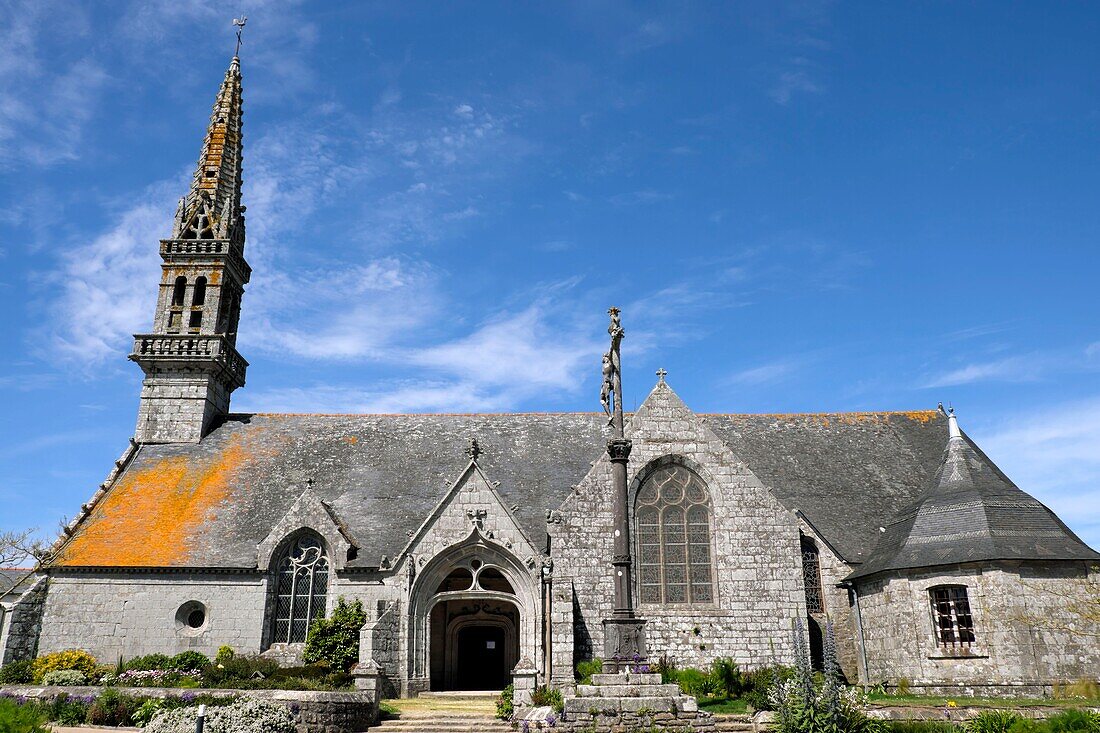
[951, 704]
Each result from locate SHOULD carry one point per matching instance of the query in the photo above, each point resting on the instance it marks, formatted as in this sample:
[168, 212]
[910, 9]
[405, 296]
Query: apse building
[477, 542]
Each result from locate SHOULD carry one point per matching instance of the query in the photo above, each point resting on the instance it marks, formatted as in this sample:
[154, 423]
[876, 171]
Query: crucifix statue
[624, 640]
[612, 375]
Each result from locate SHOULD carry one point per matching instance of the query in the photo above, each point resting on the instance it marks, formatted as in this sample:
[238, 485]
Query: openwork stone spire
[189, 357]
[212, 209]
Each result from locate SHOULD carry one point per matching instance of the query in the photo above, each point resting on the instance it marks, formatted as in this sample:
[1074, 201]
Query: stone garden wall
[313, 712]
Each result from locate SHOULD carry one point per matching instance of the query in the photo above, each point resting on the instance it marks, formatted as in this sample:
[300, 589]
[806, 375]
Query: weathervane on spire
[239, 22]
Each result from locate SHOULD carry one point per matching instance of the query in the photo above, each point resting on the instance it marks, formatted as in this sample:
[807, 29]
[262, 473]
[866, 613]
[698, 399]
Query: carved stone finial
[661, 374]
[474, 450]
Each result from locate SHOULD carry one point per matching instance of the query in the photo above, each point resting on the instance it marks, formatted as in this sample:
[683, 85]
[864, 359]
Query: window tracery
[673, 521]
[301, 589]
[811, 576]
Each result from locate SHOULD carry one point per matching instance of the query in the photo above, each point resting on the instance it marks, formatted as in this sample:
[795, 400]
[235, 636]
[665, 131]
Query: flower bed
[310, 711]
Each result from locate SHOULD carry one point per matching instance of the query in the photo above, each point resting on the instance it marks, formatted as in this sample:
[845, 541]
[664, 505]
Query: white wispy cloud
[1054, 454]
[1026, 367]
[500, 364]
[44, 107]
[357, 312]
[768, 373]
[793, 81]
[1010, 369]
[96, 306]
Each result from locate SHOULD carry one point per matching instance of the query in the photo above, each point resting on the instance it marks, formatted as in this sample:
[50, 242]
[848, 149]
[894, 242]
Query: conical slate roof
[971, 512]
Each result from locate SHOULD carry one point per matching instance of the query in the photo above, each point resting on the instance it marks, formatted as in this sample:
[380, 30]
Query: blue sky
[802, 207]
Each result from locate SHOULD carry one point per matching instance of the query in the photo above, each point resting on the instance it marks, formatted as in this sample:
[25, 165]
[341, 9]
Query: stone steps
[442, 722]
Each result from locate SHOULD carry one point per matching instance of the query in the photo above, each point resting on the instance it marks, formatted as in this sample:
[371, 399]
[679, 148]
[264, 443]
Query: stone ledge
[626, 678]
[587, 691]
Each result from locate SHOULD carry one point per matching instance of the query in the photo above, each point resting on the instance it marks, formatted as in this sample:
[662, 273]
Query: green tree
[335, 640]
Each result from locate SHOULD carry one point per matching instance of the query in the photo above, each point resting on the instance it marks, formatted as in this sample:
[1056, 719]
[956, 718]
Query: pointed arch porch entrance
[473, 614]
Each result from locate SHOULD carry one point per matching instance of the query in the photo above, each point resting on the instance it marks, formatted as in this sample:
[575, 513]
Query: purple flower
[551, 721]
[188, 698]
[525, 727]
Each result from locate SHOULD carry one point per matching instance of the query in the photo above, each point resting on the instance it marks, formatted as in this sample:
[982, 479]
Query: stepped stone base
[623, 702]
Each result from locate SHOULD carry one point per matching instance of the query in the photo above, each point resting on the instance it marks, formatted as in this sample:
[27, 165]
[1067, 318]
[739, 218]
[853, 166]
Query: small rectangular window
[196, 319]
[951, 616]
[174, 320]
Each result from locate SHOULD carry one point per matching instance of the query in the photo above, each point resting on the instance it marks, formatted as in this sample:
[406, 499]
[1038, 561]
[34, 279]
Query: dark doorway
[474, 644]
[481, 664]
[817, 645]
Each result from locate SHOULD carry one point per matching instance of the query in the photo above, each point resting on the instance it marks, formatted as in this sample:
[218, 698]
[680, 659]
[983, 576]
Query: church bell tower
[190, 358]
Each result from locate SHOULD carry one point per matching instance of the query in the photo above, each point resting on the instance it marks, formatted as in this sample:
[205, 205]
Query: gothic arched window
[672, 517]
[301, 589]
[811, 576]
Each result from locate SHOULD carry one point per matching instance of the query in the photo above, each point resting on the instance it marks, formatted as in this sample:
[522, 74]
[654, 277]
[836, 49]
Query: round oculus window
[191, 618]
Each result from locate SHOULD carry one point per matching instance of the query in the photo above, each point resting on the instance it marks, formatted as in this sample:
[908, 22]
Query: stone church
[480, 542]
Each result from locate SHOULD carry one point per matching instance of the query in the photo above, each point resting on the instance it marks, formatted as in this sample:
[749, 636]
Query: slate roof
[13, 581]
[971, 512]
[210, 504]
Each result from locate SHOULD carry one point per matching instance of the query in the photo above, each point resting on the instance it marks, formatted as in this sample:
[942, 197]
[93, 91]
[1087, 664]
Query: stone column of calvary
[624, 638]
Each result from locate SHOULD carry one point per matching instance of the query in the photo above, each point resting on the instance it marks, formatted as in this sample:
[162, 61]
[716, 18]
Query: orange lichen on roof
[152, 515]
[846, 418]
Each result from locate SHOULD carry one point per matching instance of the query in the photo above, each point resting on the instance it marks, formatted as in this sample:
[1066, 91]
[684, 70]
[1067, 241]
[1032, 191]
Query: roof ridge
[573, 412]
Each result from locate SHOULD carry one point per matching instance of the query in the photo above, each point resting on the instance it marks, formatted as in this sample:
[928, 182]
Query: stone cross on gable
[661, 374]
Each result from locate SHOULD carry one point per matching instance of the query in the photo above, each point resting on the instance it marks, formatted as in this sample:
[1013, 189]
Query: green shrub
[112, 708]
[64, 678]
[760, 681]
[149, 661]
[666, 668]
[239, 667]
[586, 669]
[68, 659]
[694, 682]
[16, 718]
[225, 652]
[186, 661]
[548, 696]
[335, 640]
[727, 676]
[992, 721]
[17, 673]
[1074, 721]
[145, 712]
[505, 703]
[65, 710]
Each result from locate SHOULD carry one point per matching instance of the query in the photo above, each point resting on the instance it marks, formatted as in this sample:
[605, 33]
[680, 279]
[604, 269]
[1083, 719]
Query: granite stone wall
[1028, 633]
[20, 625]
[130, 614]
[756, 551]
[179, 408]
[838, 608]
